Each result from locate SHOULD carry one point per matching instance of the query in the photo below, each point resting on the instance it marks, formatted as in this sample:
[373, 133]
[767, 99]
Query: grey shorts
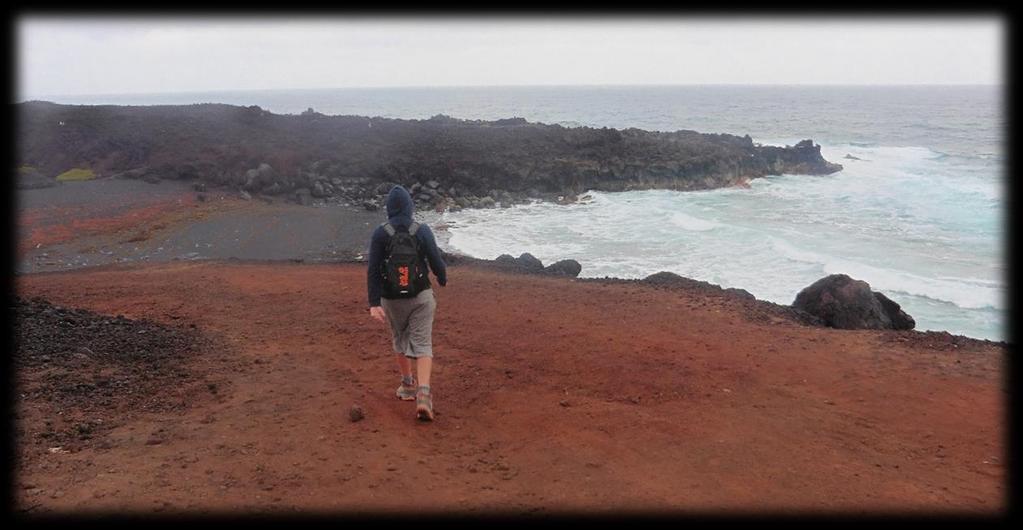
[411, 322]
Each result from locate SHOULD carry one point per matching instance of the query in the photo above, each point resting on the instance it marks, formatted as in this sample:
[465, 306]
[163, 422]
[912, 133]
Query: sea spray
[913, 224]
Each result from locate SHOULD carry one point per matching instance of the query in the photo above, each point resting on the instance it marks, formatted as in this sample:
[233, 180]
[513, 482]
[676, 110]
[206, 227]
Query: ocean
[918, 212]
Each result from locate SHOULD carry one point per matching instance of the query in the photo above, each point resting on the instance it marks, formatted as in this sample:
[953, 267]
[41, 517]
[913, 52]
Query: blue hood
[400, 205]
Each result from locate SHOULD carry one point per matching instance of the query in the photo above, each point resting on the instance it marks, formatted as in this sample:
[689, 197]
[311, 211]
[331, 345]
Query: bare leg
[404, 365]
[423, 367]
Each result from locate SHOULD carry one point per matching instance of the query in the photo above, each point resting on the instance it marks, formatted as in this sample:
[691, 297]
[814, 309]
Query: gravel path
[120, 221]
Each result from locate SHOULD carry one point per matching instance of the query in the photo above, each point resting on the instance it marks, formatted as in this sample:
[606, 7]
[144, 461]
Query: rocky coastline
[835, 301]
[447, 163]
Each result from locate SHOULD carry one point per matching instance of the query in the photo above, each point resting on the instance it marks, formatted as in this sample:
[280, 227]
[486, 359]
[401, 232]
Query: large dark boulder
[846, 303]
[565, 267]
[900, 319]
[506, 259]
[528, 261]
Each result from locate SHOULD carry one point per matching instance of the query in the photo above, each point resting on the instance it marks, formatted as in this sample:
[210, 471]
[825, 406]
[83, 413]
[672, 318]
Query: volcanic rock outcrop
[450, 163]
[670, 279]
[846, 303]
[565, 267]
[528, 263]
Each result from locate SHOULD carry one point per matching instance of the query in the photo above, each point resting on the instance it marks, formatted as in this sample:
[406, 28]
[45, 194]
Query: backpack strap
[390, 229]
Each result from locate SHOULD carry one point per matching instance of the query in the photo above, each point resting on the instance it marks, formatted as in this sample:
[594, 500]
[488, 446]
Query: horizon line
[573, 85]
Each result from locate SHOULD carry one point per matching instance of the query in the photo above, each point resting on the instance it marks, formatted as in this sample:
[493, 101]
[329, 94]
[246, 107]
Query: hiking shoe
[424, 404]
[406, 392]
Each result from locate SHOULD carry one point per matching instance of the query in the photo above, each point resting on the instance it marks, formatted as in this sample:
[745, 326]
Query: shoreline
[714, 236]
[686, 285]
[171, 226]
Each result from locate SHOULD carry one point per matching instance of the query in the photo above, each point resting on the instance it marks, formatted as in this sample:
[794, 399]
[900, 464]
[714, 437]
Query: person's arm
[376, 258]
[437, 264]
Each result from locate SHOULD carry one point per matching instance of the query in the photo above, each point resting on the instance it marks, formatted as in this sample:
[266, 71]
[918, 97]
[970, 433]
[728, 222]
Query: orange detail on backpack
[403, 276]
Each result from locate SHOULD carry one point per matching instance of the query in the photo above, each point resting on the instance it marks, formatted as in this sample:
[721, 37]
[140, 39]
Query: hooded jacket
[400, 208]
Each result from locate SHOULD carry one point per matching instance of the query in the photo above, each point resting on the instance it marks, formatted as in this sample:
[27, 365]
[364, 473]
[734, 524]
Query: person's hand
[377, 312]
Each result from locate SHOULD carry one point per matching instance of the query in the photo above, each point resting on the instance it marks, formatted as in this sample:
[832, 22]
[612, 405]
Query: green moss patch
[76, 174]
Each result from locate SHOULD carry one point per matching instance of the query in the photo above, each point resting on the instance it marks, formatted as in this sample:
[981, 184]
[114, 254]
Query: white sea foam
[689, 222]
[909, 222]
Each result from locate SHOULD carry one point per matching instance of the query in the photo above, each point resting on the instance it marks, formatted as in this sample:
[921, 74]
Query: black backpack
[403, 274]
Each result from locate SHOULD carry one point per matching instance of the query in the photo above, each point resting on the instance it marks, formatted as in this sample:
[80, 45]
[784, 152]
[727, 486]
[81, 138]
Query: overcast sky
[77, 55]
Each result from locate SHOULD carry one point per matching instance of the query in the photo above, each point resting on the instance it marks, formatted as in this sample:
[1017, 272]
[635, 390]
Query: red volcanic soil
[79, 209]
[551, 394]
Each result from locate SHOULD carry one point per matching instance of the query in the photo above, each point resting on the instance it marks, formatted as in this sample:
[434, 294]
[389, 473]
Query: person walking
[400, 294]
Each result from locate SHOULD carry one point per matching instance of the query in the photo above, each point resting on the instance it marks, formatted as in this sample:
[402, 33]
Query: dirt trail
[111, 221]
[551, 395]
